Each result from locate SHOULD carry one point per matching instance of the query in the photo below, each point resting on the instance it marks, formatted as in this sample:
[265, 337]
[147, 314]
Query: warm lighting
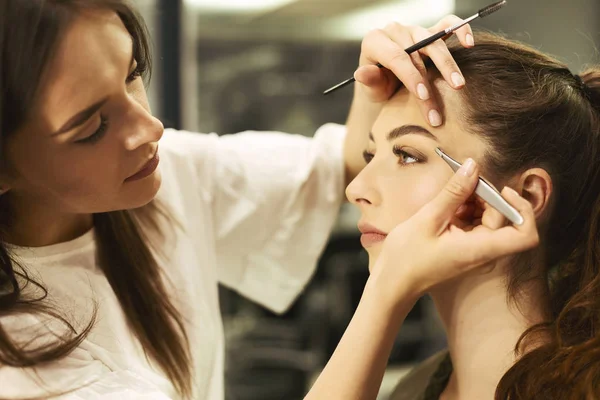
[236, 6]
[356, 24]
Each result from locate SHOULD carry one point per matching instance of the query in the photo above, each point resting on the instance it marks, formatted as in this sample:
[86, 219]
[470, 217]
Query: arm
[357, 366]
[432, 252]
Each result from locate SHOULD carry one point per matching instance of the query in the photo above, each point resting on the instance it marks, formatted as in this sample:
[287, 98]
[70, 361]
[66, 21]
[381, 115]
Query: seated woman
[524, 326]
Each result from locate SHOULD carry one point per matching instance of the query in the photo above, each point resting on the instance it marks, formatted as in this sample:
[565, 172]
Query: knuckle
[394, 27]
[450, 63]
[399, 56]
[416, 76]
[420, 66]
[451, 19]
[416, 58]
[420, 33]
[439, 45]
[372, 35]
[455, 189]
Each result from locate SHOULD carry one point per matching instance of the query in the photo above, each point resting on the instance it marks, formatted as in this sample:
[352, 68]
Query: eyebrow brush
[484, 12]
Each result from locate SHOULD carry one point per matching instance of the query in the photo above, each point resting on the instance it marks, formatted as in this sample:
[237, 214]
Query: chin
[143, 191]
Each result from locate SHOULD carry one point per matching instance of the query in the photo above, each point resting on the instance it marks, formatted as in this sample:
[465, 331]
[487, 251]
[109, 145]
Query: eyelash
[99, 133]
[398, 152]
[137, 72]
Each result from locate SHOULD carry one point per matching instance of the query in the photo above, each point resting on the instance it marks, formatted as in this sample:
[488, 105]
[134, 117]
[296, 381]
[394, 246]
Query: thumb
[456, 192]
[370, 75]
[378, 83]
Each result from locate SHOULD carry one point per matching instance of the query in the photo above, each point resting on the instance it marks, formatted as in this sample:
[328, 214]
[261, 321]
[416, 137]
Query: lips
[370, 235]
[147, 169]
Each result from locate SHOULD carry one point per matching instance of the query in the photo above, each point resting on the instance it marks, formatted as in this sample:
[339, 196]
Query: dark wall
[568, 29]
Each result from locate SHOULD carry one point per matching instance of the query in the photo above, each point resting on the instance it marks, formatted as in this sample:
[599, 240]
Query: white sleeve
[79, 377]
[118, 385]
[272, 199]
[276, 199]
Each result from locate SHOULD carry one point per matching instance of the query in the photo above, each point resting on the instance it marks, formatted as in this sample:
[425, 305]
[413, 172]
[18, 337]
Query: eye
[138, 71]
[405, 157]
[98, 134]
[133, 76]
[367, 156]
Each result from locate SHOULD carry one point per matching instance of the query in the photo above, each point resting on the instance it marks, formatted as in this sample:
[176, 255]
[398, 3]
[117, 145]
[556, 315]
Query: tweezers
[487, 192]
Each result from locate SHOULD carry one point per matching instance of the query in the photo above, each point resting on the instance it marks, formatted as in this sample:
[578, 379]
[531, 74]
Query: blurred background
[231, 65]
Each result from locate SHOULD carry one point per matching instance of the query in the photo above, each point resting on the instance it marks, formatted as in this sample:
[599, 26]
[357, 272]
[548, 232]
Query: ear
[535, 186]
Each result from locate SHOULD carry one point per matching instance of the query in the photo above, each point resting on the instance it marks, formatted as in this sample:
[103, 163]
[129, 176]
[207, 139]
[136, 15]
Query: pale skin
[423, 254]
[482, 328]
[54, 183]
[433, 247]
[439, 241]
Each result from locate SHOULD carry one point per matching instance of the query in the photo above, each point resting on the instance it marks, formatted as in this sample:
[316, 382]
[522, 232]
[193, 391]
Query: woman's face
[403, 171]
[91, 129]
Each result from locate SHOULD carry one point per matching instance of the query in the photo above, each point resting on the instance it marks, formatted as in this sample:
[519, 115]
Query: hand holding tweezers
[487, 193]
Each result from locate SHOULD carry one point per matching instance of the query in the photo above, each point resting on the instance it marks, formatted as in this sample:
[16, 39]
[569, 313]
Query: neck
[35, 224]
[483, 326]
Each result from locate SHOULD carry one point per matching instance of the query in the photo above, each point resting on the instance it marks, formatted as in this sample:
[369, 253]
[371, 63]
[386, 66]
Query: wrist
[391, 296]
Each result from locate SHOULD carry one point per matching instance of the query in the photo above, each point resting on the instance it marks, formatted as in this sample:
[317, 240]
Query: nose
[362, 190]
[141, 126]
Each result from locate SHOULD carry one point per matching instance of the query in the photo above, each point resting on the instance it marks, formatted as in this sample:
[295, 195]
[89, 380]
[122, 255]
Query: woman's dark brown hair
[30, 32]
[533, 112]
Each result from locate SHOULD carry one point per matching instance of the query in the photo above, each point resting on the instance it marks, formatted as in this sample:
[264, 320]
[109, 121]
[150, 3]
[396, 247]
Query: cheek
[63, 175]
[403, 197]
[408, 194]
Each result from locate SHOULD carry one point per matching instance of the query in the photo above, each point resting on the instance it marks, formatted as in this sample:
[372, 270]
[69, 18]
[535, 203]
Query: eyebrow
[405, 130]
[81, 117]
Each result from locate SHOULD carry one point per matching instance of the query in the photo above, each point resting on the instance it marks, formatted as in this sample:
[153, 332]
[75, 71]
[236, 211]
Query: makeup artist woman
[115, 233]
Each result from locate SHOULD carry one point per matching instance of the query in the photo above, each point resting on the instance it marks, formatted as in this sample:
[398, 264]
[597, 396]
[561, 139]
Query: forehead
[94, 52]
[453, 136]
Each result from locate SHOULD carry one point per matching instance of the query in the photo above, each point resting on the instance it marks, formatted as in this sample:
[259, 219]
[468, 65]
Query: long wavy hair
[30, 32]
[534, 112]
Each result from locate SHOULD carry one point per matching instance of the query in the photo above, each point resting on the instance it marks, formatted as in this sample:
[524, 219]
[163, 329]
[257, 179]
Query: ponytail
[567, 364]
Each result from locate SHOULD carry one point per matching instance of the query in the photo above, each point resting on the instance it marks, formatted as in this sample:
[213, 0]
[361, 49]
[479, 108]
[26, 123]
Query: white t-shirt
[256, 208]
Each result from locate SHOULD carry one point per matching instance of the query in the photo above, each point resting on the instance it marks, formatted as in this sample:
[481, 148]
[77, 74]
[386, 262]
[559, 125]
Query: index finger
[379, 47]
[464, 33]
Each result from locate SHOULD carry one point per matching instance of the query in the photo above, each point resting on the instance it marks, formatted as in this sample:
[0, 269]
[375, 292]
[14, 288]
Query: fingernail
[470, 40]
[457, 79]
[422, 92]
[357, 71]
[468, 167]
[435, 119]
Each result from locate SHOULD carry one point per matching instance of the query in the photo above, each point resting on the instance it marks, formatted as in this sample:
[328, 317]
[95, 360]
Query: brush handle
[411, 49]
[426, 42]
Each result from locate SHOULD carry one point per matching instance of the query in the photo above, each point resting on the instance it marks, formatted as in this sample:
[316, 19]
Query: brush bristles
[484, 12]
